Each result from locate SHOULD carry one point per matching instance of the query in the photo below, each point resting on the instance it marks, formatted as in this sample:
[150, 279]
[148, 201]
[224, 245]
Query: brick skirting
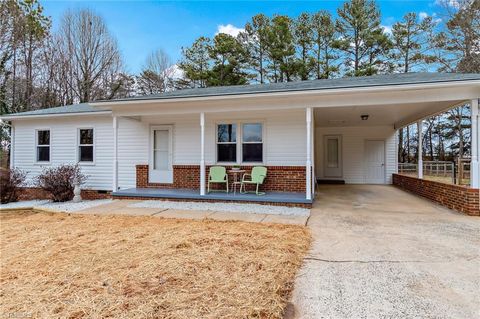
[31, 193]
[279, 178]
[459, 198]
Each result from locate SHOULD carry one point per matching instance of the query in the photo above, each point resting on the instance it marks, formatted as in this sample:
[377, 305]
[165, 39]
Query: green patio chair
[217, 174]
[255, 178]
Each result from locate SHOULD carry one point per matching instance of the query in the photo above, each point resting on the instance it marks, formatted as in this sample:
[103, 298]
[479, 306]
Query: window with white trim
[85, 145]
[43, 146]
[227, 143]
[252, 142]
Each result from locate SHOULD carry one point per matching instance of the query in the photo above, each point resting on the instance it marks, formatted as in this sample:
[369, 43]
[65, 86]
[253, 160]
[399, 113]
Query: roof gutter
[35, 116]
[364, 89]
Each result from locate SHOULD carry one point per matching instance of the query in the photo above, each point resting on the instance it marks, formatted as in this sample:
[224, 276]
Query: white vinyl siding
[63, 144]
[133, 137]
[283, 142]
[284, 135]
[353, 147]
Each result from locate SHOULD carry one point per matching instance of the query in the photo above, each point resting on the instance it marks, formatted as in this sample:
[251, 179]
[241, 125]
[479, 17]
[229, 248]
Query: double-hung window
[43, 146]
[252, 142]
[227, 143]
[248, 144]
[85, 145]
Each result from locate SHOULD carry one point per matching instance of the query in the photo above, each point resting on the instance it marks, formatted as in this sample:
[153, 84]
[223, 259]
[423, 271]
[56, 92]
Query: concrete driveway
[380, 252]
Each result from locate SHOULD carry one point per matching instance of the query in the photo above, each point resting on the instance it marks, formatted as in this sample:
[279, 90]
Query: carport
[356, 135]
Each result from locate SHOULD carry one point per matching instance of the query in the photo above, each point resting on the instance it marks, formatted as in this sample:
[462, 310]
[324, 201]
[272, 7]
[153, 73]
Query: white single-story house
[161, 146]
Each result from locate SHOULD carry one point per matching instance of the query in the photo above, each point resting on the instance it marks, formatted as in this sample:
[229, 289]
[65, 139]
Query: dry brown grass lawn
[85, 266]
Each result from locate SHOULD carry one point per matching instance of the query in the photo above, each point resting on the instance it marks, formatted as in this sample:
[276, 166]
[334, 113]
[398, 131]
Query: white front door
[333, 156]
[374, 162]
[161, 155]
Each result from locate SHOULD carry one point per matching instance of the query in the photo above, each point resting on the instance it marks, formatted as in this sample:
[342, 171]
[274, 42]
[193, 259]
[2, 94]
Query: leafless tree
[90, 54]
[157, 74]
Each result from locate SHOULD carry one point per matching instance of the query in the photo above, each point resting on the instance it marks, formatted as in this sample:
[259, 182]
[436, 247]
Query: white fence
[443, 171]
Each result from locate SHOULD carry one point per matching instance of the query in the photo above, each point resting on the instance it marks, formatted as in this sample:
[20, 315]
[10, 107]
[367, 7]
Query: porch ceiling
[397, 115]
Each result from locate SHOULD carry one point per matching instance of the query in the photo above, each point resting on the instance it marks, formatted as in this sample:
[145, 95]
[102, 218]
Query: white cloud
[387, 29]
[229, 29]
[449, 3]
[422, 15]
[174, 72]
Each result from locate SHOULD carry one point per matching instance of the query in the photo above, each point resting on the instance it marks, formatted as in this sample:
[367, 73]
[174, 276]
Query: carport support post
[202, 154]
[420, 148]
[474, 165]
[115, 155]
[308, 164]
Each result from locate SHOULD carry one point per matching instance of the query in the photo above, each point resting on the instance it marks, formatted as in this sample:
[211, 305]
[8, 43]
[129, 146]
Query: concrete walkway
[380, 252]
[123, 207]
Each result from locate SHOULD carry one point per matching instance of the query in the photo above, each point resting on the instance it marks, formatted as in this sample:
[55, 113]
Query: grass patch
[85, 266]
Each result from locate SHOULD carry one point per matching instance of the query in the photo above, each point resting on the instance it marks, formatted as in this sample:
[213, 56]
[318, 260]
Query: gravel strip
[74, 207]
[225, 207]
[24, 204]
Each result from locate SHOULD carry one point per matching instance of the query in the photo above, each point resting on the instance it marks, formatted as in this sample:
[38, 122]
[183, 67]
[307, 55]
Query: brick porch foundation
[31, 193]
[279, 178]
[457, 197]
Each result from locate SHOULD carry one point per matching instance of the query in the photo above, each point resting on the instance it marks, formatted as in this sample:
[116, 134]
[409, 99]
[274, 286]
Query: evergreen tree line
[321, 46]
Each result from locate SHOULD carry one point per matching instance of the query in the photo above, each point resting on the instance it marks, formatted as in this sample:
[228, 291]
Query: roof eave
[35, 116]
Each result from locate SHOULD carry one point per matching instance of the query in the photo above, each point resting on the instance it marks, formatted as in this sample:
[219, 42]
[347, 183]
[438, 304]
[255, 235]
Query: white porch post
[420, 148]
[308, 164]
[115, 154]
[474, 165]
[12, 146]
[202, 154]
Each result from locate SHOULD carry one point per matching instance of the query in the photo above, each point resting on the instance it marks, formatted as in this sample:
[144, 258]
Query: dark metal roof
[69, 109]
[327, 84]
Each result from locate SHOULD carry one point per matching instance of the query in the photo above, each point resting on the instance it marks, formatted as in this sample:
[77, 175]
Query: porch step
[331, 181]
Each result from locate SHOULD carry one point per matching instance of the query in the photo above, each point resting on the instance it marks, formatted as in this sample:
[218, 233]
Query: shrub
[60, 181]
[10, 182]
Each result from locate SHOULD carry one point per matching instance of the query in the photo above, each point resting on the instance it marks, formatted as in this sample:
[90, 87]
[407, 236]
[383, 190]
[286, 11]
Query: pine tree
[325, 36]
[362, 39]
[228, 58]
[411, 42]
[195, 63]
[458, 46]
[254, 40]
[303, 35]
[281, 49]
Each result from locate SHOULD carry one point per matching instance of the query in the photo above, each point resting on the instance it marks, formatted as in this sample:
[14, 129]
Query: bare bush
[10, 182]
[60, 181]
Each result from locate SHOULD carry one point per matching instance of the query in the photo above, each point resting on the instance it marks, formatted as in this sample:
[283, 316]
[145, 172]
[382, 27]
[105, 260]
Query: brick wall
[457, 197]
[279, 178]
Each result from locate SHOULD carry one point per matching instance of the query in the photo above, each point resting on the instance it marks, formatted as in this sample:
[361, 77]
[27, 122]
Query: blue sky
[143, 26]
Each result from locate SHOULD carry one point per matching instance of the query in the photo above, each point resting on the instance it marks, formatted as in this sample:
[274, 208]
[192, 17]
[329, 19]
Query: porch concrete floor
[123, 207]
[272, 197]
[379, 252]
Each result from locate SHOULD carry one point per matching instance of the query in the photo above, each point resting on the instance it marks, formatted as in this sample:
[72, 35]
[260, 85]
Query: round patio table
[236, 181]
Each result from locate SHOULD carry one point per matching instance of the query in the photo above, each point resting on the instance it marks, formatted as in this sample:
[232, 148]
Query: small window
[252, 142]
[85, 145]
[226, 143]
[43, 146]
